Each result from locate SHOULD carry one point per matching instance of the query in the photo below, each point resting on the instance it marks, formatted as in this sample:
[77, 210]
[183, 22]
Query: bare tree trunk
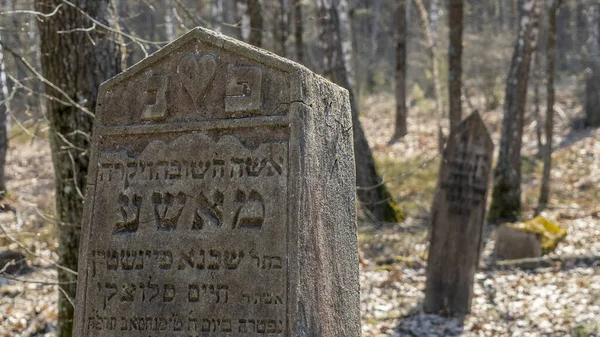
[283, 26]
[85, 60]
[375, 9]
[401, 129]
[335, 47]
[550, 70]
[434, 71]
[238, 15]
[455, 22]
[170, 27]
[537, 114]
[299, 31]
[256, 22]
[506, 195]
[4, 108]
[592, 85]
[434, 19]
[217, 15]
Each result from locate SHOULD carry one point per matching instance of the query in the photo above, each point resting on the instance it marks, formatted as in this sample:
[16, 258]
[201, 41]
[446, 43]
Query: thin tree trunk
[170, 27]
[4, 108]
[256, 22]
[455, 21]
[537, 114]
[238, 16]
[85, 60]
[374, 45]
[592, 85]
[283, 26]
[506, 195]
[550, 70]
[434, 19]
[333, 36]
[217, 15]
[299, 31]
[401, 129]
[434, 71]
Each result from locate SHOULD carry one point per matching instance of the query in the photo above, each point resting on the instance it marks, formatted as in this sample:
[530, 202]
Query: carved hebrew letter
[128, 292]
[215, 261]
[130, 214]
[128, 259]
[112, 260]
[193, 293]
[232, 259]
[168, 293]
[112, 287]
[252, 212]
[155, 107]
[208, 212]
[154, 287]
[167, 209]
[244, 88]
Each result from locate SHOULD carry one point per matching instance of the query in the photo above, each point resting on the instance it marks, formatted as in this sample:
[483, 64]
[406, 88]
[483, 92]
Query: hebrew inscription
[195, 225]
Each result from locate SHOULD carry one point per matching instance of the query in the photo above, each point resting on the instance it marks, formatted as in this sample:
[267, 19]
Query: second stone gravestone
[458, 215]
[220, 199]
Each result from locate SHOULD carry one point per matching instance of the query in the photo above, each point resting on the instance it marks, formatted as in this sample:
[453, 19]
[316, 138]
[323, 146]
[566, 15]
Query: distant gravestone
[458, 215]
[512, 243]
[220, 199]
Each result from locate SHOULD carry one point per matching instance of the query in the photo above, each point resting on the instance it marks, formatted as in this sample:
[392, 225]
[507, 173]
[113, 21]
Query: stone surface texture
[458, 215]
[220, 199]
[512, 243]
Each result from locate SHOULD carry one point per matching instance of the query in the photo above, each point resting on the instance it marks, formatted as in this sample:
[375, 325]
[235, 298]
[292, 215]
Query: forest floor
[562, 300]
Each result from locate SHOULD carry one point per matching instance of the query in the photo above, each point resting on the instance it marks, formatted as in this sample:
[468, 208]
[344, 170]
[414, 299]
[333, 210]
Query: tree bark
[335, 47]
[549, 126]
[506, 195]
[434, 71]
[592, 85]
[256, 22]
[85, 60]
[401, 129]
[455, 21]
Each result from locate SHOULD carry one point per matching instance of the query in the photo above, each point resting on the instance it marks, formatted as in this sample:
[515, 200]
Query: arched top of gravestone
[473, 128]
[202, 36]
[202, 75]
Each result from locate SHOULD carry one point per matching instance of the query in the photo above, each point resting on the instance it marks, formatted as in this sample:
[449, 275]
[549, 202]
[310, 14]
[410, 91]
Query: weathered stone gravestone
[458, 215]
[512, 243]
[220, 199]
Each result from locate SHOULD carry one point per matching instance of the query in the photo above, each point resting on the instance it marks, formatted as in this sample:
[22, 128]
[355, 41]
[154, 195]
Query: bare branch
[43, 79]
[46, 15]
[24, 247]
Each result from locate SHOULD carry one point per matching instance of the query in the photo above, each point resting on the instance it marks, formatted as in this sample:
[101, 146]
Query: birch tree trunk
[85, 60]
[455, 22]
[549, 126]
[336, 50]
[506, 194]
[434, 70]
[401, 129]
